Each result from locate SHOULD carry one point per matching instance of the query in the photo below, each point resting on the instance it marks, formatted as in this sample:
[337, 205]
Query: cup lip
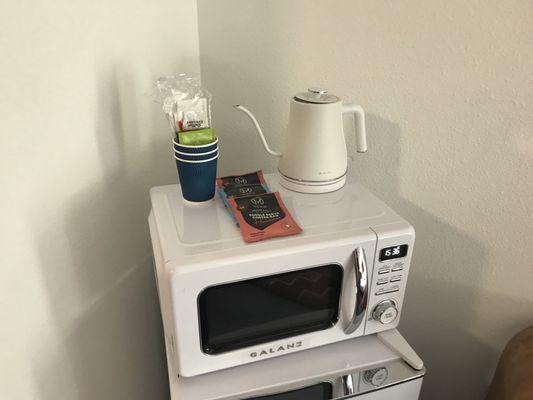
[195, 154]
[195, 161]
[186, 146]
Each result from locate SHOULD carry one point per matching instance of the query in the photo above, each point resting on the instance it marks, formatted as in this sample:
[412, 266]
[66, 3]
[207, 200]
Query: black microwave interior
[260, 310]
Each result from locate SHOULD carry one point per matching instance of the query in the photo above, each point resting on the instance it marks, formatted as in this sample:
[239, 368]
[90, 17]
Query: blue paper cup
[197, 178]
[204, 148]
[196, 156]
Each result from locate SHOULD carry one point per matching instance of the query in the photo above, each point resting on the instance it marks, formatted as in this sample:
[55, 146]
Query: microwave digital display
[390, 253]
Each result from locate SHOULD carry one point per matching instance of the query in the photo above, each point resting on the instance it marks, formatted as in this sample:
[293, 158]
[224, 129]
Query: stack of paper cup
[197, 169]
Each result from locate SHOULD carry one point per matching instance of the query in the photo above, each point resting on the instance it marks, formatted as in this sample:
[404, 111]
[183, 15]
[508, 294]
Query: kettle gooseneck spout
[258, 128]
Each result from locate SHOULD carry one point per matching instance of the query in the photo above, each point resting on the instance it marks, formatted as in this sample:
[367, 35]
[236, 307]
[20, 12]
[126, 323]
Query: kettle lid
[316, 95]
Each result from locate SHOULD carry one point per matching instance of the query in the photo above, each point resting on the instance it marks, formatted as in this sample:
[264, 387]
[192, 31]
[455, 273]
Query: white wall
[447, 87]
[81, 143]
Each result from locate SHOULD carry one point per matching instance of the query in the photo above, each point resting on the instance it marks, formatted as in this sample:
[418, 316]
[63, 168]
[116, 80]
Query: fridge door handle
[361, 286]
[347, 385]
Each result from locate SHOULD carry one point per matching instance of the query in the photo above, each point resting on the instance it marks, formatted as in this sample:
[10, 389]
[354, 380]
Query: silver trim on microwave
[361, 285]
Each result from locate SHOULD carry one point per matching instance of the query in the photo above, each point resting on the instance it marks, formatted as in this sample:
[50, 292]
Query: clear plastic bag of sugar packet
[186, 104]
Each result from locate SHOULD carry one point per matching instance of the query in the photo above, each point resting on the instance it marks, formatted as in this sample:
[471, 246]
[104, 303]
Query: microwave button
[398, 265]
[394, 279]
[397, 268]
[383, 281]
[385, 291]
[383, 271]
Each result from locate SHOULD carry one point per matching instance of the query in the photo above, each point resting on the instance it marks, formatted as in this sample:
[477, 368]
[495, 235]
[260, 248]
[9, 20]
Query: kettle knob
[316, 90]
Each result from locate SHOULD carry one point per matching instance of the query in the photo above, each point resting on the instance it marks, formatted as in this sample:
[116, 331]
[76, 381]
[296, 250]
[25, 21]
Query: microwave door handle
[361, 295]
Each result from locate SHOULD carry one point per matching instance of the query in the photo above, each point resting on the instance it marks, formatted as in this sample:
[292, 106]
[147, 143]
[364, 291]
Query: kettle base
[311, 187]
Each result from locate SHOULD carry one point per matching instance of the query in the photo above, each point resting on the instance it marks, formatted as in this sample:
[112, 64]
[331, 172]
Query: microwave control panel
[389, 278]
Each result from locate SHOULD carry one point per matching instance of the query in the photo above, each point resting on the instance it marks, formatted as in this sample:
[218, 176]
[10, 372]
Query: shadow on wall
[103, 294]
[241, 149]
[458, 362]
[438, 307]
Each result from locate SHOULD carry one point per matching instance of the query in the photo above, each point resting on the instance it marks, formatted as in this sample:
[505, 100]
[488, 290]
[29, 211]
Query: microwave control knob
[385, 312]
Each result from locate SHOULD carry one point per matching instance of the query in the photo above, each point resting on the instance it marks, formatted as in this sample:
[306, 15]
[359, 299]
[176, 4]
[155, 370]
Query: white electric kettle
[314, 158]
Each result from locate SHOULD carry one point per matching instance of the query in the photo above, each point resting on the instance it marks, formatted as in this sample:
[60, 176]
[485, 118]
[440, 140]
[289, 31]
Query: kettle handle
[360, 126]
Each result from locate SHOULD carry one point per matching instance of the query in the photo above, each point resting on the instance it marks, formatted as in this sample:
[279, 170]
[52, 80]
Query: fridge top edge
[293, 371]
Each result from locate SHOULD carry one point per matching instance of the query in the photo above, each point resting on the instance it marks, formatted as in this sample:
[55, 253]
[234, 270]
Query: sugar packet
[198, 137]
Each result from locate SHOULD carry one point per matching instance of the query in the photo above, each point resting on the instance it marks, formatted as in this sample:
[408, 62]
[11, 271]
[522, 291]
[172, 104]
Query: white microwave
[367, 368]
[226, 303]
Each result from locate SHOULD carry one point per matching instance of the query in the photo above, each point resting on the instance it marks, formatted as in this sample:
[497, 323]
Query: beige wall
[81, 143]
[447, 87]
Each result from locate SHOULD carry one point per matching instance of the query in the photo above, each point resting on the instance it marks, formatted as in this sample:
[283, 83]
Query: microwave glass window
[261, 310]
[322, 391]
[389, 253]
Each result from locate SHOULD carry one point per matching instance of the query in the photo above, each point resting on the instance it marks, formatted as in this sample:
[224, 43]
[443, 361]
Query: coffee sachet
[262, 217]
[241, 191]
[232, 192]
[234, 186]
[253, 178]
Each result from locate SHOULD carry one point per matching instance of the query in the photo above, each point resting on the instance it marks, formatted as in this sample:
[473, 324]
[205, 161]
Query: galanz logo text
[277, 349]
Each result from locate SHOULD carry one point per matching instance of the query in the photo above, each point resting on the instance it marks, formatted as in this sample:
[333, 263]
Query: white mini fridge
[367, 368]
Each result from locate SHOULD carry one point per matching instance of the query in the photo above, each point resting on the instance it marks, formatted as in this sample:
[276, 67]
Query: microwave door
[260, 310]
